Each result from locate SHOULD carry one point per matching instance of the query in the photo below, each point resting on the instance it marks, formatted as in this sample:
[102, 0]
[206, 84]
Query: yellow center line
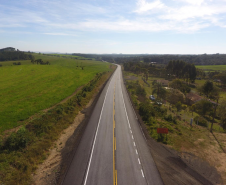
[114, 143]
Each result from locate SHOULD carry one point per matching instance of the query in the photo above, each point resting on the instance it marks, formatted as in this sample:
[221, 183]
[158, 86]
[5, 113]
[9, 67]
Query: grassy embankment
[29, 146]
[182, 137]
[29, 88]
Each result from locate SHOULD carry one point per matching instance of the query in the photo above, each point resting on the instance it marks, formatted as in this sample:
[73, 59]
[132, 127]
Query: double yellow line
[114, 143]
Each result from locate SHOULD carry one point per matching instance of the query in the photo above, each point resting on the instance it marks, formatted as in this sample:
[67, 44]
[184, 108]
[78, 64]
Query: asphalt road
[113, 149]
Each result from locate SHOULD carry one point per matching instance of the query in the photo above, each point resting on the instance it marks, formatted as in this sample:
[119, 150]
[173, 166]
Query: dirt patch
[8, 132]
[44, 174]
[131, 78]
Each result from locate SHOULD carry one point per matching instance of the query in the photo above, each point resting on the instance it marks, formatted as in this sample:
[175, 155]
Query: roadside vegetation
[191, 105]
[30, 87]
[28, 146]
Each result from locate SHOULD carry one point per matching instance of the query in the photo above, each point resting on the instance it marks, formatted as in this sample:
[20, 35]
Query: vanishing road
[113, 149]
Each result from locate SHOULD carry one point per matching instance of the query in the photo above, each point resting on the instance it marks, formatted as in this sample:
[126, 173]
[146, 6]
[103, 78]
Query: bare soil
[45, 174]
[131, 78]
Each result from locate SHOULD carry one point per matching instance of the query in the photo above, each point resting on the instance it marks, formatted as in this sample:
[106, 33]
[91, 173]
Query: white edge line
[133, 110]
[128, 119]
[96, 136]
[142, 172]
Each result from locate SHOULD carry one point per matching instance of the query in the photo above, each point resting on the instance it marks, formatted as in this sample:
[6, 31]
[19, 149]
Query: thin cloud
[62, 34]
[144, 6]
[186, 16]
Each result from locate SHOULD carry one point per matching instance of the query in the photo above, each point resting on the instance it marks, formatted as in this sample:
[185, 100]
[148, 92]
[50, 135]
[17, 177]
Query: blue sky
[114, 26]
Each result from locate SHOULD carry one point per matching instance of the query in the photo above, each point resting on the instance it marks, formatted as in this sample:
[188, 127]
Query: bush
[146, 110]
[17, 140]
[201, 121]
[169, 118]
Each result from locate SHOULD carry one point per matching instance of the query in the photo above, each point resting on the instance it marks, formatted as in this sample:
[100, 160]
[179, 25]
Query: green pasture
[212, 67]
[28, 88]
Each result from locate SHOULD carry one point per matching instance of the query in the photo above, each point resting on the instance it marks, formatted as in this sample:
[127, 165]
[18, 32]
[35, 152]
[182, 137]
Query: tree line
[174, 69]
[182, 69]
[15, 55]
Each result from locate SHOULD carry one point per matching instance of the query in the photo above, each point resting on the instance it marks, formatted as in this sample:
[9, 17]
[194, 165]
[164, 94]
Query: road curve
[113, 149]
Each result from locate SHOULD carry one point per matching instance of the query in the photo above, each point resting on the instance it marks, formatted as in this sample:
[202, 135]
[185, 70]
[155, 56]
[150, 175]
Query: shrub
[169, 118]
[201, 121]
[17, 140]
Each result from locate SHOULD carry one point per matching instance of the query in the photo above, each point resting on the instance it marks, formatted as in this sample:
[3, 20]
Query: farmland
[212, 67]
[29, 88]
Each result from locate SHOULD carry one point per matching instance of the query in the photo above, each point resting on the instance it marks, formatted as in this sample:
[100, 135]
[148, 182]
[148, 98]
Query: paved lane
[113, 149]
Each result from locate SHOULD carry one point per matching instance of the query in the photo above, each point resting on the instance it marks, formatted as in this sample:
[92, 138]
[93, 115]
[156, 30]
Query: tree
[215, 95]
[158, 89]
[146, 60]
[203, 107]
[178, 84]
[207, 88]
[175, 96]
[178, 106]
[222, 113]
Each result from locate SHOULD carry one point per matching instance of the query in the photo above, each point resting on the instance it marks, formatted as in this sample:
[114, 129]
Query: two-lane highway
[113, 149]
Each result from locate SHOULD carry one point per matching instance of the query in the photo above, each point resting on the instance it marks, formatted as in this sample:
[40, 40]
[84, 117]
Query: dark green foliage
[203, 107]
[222, 113]
[159, 90]
[146, 110]
[222, 77]
[178, 84]
[40, 61]
[170, 118]
[14, 55]
[207, 88]
[18, 140]
[201, 121]
[140, 91]
[16, 63]
[182, 69]
[59, 109]
[178, 106]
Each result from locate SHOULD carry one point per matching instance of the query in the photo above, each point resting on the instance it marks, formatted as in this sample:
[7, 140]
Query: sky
[114, 26]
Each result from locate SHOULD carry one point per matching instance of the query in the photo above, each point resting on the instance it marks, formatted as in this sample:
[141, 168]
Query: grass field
[212, 67]
[28, 88]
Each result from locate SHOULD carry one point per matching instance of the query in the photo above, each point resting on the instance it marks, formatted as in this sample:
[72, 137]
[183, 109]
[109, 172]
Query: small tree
[222, 113]
[178, 106]
[207, 88]
[158, 89]
[203, 107]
